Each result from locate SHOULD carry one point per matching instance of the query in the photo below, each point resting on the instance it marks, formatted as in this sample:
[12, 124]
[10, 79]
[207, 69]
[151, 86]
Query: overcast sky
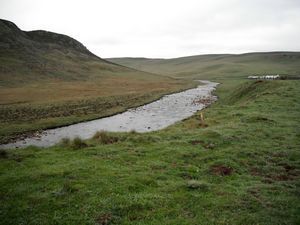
[164, 28]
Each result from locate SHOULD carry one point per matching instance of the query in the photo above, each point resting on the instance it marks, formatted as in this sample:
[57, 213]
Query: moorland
[240, 165]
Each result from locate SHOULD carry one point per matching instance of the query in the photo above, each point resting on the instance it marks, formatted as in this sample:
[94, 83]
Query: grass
[241, 168]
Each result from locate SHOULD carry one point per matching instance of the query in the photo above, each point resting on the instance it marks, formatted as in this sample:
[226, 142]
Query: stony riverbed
[150, 117]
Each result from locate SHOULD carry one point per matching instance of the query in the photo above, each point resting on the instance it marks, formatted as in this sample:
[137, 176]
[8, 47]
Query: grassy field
[240, 166]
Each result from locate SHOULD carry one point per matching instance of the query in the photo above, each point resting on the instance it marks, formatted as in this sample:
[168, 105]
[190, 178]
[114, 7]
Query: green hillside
[219, 65]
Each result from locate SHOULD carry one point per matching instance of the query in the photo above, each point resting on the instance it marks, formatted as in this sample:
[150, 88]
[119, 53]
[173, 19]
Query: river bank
[150, 117]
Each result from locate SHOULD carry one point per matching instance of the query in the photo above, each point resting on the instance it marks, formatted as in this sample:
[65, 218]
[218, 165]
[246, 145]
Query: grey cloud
[167, 28]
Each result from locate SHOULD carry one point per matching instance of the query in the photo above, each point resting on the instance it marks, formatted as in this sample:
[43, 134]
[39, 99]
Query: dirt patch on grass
[286, 176]
[203, 144]
[288, 167]
[105, 218]
[257, 119]
[221, 170]
[197, 142]
[290, 173]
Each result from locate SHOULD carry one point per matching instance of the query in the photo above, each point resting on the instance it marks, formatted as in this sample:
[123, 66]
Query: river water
[150, 117]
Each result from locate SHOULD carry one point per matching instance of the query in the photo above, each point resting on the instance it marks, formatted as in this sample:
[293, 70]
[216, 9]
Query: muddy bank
[150, 117]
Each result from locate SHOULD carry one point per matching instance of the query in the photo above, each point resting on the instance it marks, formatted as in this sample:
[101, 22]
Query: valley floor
[240, 166]
[38, 106]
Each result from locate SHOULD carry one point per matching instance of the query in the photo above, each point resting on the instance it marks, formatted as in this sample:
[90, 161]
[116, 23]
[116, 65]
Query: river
[150, 117]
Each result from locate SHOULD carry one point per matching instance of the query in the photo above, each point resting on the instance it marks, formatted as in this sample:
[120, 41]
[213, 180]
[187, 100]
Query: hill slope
[41, 55]
[218, 65]
[49, 80]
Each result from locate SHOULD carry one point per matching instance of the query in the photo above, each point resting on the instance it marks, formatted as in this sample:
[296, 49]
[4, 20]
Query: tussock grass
[133, 132]
[143, 138]
[65, 142]
[78, 143]
[103, 137]
[3, 154]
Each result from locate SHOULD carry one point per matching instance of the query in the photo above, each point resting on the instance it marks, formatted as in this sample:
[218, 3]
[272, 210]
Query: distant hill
[218, 65]
[36, 56]
[14, 38]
